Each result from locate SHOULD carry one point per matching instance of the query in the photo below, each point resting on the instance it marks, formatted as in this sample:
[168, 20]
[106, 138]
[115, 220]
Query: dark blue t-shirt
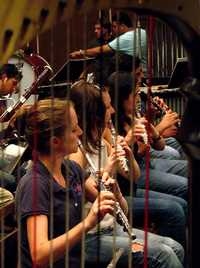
[38, 193]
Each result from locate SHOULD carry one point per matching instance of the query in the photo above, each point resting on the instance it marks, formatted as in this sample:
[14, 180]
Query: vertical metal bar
[157, 49]
[163, 52]
[37, 44]
[165, 49]
[110, 15]
[172, 49]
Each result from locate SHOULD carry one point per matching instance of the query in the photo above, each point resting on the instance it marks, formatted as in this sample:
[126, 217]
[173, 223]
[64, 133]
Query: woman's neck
[53, 164]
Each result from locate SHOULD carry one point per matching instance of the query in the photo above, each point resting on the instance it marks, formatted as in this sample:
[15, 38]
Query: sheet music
[10, 156]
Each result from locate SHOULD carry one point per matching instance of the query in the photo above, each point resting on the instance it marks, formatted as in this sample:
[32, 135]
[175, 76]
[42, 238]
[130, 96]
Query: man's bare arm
[90, 52]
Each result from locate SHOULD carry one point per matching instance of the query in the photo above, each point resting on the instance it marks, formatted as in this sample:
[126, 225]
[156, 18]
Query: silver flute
[120, 215]
[122, 159]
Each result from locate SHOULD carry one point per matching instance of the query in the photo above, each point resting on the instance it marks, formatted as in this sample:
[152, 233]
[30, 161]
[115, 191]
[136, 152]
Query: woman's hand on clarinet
[111, 184]
[170, 132]
[168, 120]
[104, 203]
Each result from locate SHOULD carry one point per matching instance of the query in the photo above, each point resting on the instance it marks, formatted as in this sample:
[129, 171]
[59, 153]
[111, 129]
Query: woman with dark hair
[167, 210]
[93, 106]
[168, 180]
[49, 196]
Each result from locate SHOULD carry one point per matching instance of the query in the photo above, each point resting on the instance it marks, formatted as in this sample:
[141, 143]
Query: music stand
[179, 73]
[71, 70]
[67, 74]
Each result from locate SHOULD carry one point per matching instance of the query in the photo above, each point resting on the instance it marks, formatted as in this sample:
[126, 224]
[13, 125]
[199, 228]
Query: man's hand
[76, 54]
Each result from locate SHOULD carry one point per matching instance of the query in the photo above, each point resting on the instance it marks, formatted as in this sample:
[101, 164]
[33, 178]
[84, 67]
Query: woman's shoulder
[78, 158]
[72, 166]
[74, 170]
[34, 178]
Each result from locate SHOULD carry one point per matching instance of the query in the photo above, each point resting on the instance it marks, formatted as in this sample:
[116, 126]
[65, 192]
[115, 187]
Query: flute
[120, 215]
[122, 159]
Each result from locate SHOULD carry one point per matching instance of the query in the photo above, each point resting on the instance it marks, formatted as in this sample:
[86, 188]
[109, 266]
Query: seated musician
[169, 174]
[9, 78]
[49, 196]
[168, 127]
[98, 110]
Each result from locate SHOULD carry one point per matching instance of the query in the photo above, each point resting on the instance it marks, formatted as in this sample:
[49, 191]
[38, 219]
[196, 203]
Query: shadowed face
[7, 85]
[109, 109]
[99, 31]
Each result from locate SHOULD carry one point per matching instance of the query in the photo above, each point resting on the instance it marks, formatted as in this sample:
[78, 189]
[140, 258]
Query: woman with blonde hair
[49, 196]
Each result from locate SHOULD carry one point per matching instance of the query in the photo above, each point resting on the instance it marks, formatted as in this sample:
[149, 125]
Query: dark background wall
[56, 44]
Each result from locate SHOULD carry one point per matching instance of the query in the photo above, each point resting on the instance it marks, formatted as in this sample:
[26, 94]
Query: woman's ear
[55, 142]
[4, 77]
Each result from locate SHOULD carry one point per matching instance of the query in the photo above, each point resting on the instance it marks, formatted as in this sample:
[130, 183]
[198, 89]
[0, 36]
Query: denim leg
[172, 142]
[176, 167]
[165, 183]
[167, 215]
[166, 241]
[160, 252]
[167, 153]
[158, 195]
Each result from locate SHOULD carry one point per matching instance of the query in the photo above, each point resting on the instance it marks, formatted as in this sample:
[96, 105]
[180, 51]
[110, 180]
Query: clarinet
[120, 215]
[163, 109]
[116, 257]
[138, 116]
[122, 159]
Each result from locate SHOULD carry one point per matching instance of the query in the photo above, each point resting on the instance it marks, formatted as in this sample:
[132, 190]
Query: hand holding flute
[119, 147]
[107, 183]
[137, 132]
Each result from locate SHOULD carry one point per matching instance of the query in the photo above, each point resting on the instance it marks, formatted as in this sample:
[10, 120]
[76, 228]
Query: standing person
[102, 65]
[97, 114]
[127, 36]
[48, 197]
[102, 31]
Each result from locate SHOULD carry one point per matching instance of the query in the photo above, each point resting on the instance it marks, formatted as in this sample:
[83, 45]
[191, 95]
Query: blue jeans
[163, 252]
[172, 150]
[167, 153]
[164, 182]
[167, 212]
[173, 143]
[176, 167]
